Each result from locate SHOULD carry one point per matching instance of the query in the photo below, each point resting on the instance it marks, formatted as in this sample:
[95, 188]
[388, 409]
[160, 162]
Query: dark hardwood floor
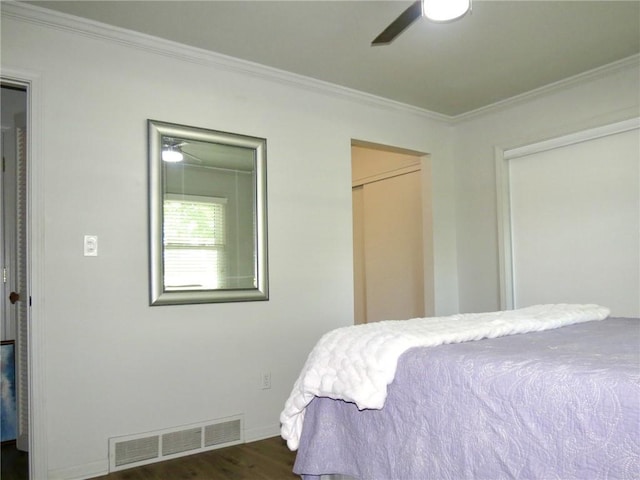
[14, 464]
[268, 459]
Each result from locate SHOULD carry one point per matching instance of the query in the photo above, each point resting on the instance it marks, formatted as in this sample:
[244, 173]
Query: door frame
[502, 157]
[421, 164]
[38, 465]
[15, 317]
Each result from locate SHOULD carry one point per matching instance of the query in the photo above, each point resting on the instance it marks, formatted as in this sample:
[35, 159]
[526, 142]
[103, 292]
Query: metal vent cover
[222, 433]
[136, 450]
[181, 441]
[151, 447]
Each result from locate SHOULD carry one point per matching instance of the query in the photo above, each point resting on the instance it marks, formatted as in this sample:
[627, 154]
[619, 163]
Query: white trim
[38, 451]
[80, 472]
[505, 261]
[160, 46]
[573, 138]
[629, 62]
[82, 26]
[260, 433]
[503, 195]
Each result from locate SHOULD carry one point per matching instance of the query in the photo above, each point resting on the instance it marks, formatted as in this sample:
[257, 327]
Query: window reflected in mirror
[208, 215]
[195, 244]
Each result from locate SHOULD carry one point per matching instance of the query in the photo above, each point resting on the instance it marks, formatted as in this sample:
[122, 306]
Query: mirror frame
[158, 295]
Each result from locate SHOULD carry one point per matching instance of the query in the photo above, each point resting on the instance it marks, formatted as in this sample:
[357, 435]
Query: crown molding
[626, 63]
[572, 138]
[159, 46]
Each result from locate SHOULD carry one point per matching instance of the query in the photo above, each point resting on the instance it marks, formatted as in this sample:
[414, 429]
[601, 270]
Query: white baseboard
[99, 468]
[80, 472]
[255, 434]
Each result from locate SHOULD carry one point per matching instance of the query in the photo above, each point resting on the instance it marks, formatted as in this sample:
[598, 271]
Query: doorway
[14, 301]
[392, 234]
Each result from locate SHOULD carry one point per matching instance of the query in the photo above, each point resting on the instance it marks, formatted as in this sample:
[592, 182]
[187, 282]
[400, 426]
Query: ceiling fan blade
[197, 159]
[400, 24]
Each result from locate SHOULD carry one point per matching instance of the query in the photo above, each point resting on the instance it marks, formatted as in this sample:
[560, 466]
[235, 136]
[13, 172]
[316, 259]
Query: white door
[15, 296]
[575, 220]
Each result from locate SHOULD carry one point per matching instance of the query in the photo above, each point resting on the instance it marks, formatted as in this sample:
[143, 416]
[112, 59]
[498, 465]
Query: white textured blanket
[357, 363]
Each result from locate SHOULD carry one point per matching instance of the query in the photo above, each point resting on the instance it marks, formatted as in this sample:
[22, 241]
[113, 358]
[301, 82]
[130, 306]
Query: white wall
[112, 364]
[593, 102]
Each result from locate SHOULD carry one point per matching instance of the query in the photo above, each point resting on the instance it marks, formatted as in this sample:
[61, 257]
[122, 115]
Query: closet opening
[392, 233]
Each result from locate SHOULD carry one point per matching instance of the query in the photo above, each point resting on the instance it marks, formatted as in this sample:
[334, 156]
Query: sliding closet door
[575, 220]
[388, 237]
[393, 248]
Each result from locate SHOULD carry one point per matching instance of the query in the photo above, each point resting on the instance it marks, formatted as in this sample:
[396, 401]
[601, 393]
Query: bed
[561, 402]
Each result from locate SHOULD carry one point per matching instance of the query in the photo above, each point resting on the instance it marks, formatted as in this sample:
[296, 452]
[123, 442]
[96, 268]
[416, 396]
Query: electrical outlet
[265, 380]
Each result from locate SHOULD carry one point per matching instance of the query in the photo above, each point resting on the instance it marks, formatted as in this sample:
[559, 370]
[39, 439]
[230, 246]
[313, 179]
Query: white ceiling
[502, 49]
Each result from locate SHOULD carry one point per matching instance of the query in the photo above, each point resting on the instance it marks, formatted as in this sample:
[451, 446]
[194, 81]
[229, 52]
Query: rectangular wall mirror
[207, 215]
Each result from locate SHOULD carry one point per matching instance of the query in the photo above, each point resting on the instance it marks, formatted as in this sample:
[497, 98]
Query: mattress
[559, 404]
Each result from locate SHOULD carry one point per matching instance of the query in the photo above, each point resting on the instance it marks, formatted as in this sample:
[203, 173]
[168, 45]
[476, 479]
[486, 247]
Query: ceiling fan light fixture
[172, 155]
[445, 10]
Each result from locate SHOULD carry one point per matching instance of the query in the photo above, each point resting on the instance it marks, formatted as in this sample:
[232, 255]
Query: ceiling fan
[173, 150]
[439, 11]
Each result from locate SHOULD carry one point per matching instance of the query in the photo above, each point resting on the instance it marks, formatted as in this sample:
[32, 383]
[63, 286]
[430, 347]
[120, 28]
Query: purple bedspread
[561, 404]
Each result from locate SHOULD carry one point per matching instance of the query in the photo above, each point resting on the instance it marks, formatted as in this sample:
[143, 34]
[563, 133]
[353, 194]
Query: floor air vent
[135, 450]
[222, 433]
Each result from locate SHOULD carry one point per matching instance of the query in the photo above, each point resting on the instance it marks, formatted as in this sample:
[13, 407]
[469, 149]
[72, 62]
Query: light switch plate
[90, 245]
